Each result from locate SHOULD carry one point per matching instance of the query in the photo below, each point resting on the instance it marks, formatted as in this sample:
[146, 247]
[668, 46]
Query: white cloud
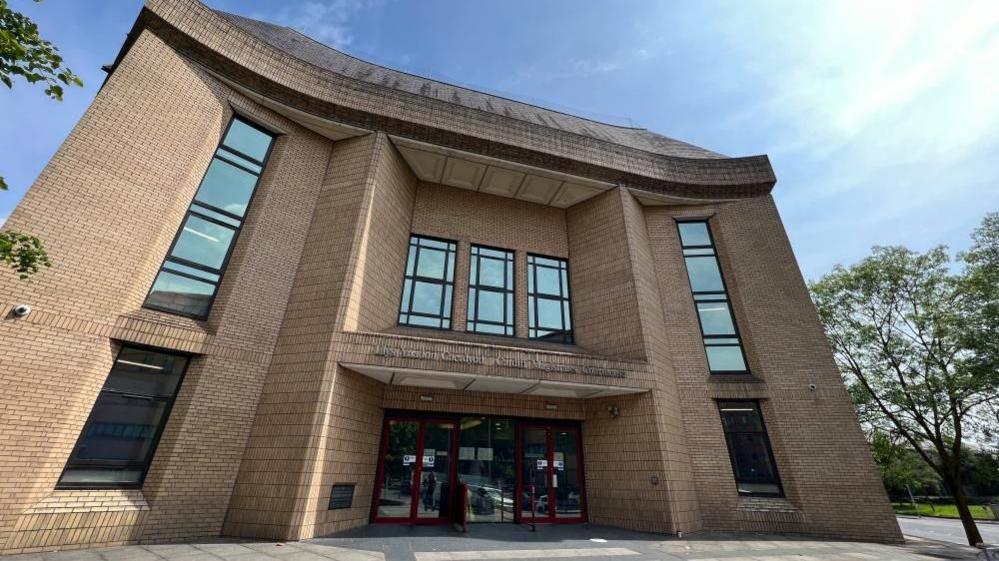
[327, 21]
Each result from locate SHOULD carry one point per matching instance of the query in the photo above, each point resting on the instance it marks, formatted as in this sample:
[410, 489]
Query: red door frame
[414, 505]
[551, 516]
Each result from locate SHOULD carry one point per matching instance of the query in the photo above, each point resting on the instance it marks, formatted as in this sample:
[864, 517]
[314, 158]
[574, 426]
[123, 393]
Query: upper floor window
[490, 291]
[714, 311]
[549, 316]
[194, 265]
[428, 286]
[120, 436]
[749, 449]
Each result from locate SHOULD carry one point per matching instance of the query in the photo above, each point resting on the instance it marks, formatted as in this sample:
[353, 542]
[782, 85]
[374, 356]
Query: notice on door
[409, 459]
[428, 461]
[542, 464]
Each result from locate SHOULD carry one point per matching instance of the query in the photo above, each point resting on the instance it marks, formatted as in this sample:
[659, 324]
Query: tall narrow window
[490, 291]
[714, 311]
[120, 436]
[749, 449]
[193, 268]
[429, 283]
[549, 316]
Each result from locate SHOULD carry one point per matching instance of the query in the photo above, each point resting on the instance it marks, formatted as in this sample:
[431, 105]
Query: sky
[881, 119]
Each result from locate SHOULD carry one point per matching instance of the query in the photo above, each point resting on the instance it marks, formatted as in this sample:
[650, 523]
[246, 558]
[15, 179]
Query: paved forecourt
[506, 542]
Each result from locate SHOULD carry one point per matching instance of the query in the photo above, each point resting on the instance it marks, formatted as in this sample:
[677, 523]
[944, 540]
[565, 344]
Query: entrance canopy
[478, 383]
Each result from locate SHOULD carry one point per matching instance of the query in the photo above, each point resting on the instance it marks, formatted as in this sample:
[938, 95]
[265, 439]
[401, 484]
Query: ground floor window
[510, 470]
[749, 449]
[120, 436]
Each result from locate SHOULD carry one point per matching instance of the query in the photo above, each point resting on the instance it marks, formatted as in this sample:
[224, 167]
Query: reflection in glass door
[551, 480]
[435, 472]
[395, 494]
[566, 475]
[533, 474]
[416, 471]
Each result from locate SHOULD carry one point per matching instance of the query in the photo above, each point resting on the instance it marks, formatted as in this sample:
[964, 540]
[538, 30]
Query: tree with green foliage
[916, 340]
[25, 54]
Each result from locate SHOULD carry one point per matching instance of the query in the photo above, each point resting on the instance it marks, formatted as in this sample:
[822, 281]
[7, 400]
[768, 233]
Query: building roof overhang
[323, 99]
[458, 381]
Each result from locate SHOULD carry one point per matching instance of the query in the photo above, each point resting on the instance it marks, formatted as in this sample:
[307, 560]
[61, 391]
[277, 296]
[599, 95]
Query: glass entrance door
[416, 471]
[550, 475]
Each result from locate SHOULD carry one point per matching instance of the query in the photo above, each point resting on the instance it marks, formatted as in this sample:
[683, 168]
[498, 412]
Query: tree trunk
[953, 481]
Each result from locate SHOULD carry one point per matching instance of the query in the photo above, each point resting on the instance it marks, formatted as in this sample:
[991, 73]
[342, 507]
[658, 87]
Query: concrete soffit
[446, 380]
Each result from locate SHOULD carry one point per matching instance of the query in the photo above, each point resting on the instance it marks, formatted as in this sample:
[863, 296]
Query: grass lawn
[942, 510]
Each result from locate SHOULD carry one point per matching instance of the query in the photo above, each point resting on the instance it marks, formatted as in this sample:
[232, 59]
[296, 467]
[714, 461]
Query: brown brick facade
[271, 413]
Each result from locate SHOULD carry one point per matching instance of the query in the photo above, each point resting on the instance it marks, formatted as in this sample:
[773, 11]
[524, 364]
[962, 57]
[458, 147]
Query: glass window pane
[694, 233]
[411, 260]
[491, 273]
[226, 187]
[145, 372]
[740, 416]
[489, 328]
[431, 264]
[751, 457]
[180, 294]
[425, 321]
[549, 313]
[704, 274]
[203, 242]
[490, 306]
[240, 161]
[725, 359]
[438, 244]
[406, 287]
[427, 298]
[120, 429]
[715, 318]
[248, 140]
[548, 281]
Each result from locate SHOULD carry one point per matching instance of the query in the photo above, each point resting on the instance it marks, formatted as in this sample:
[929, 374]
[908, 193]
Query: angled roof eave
[213, 40]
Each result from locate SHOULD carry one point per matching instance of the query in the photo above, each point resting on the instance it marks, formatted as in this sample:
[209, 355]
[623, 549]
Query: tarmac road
[945, 529]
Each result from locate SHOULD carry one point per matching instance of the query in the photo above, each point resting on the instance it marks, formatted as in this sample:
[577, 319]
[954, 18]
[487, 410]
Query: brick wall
[118, 154]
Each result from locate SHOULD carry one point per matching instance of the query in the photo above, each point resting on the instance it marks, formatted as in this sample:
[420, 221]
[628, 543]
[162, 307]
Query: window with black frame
[490, 291]
[197, 259]
[428, 286]
[749, 449]
[120, 436]
[549, 314]
[722, 342]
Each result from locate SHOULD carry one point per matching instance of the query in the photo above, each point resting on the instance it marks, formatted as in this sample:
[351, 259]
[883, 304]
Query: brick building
[295, 292]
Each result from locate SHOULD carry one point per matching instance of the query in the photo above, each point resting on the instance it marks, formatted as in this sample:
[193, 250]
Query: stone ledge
[90, 500]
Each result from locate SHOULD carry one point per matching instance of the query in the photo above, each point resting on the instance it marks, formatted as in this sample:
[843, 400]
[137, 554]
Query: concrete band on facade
[292, 375]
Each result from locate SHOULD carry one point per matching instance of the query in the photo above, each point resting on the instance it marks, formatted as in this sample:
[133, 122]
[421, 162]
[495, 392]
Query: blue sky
[881, 118]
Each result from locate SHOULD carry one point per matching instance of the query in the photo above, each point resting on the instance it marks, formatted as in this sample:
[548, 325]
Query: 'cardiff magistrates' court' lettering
[525, 362]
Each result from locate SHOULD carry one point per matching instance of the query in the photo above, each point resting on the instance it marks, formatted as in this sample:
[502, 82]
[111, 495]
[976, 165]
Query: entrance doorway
[416, 474]
[550, 475]
[512, 471]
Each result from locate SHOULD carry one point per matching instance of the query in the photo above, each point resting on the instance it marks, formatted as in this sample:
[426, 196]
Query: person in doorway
[429, 488]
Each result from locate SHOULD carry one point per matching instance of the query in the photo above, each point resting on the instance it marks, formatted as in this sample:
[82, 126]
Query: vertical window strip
[548, 300]
[428, 284]
[119, 439]
[484, 290]
[719, 332]
[749, 449]
[193, 267]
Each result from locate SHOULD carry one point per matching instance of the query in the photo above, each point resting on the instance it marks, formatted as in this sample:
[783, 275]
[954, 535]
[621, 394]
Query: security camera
[812, 387]
[21, 310]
